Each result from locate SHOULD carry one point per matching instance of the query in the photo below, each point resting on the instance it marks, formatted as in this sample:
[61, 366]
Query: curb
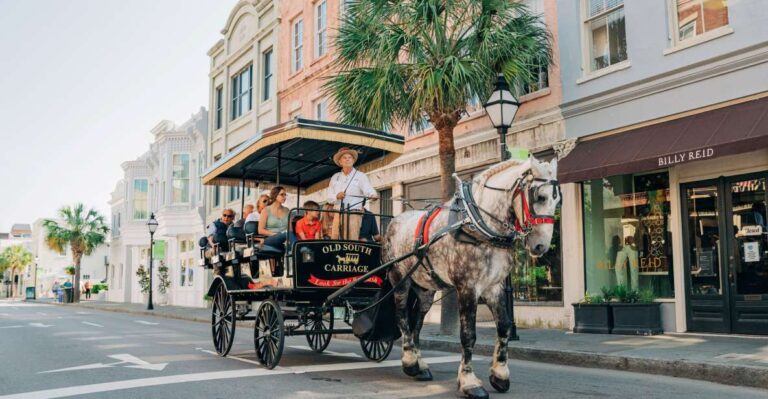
[746, 376]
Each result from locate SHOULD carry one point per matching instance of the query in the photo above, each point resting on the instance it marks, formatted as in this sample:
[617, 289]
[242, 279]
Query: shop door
[726, 253]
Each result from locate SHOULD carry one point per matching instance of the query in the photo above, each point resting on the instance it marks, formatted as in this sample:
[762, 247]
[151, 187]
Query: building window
[540, 73]
[241, 92]
[267, 84]
[216, 196]
[420, 126]
[140, 199]
[297, 40]
[180, 178]
[321, 110]
[321, 35]
[385, 201]
[199, 177]
[219, 106]
[627, 238]
[696, 17]
[235, 193]
[606, 34]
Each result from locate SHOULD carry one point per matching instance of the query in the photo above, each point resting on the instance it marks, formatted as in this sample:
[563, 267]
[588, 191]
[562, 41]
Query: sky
[82, 82]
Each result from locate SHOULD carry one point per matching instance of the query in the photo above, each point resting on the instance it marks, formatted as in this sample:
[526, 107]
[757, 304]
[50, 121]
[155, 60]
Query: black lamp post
[502, 107]
[152, 224]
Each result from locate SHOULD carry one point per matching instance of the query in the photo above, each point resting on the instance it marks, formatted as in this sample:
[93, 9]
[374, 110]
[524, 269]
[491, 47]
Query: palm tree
[15, 258]
[81, 230]
[401, 62]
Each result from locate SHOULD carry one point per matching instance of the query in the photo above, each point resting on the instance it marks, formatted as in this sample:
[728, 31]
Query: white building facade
[164, 181]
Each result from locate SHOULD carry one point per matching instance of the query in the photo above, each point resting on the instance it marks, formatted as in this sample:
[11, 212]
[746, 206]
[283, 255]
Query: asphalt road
[54, 351]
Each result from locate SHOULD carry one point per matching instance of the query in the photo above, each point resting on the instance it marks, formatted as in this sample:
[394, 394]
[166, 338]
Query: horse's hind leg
[469, 384]
[423, 305]
[497, 302]
[410, 358]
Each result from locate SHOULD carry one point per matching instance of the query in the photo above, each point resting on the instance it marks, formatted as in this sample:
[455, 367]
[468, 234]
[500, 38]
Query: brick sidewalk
[725, 359]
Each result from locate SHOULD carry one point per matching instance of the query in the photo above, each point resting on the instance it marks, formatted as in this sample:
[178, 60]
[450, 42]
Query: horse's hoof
[476, 393]
[412, 371]
[499, 385]
[424, 375]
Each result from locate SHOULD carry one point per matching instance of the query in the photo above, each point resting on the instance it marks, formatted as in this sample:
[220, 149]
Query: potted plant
[593, 314]
[636, 313]
[164, 282]
[143, 276]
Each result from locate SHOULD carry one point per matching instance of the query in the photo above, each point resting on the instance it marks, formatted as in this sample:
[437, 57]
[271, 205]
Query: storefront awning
[725, 131]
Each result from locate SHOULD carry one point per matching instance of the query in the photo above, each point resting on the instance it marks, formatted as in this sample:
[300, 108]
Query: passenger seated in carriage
[217, 231]
[273, 221]
[308, 227]
[326, 221]
[369, 230]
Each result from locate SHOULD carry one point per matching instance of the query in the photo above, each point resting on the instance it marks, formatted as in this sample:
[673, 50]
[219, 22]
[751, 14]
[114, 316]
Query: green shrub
[607, 293]
[98, 287]
[620, 293]
[592, 299]
[633, 296]
[646, 296]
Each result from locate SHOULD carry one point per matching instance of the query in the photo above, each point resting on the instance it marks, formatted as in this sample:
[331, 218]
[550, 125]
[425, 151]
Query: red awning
[726, 131]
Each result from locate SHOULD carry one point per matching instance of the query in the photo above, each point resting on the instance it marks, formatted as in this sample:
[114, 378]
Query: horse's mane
[482, 178]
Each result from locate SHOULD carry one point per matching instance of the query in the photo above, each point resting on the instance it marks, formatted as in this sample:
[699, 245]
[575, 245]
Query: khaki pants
[346, 225]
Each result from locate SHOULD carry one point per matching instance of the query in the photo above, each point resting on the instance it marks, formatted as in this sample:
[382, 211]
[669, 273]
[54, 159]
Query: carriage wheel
[223, 321]
[317, 324]
[269, 334]
[376, 350]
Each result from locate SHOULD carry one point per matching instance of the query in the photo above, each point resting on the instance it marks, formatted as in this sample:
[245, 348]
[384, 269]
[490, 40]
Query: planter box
[636, 318]
[592, 318]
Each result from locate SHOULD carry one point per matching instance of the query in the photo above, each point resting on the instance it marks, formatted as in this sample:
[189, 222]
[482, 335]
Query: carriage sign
[332, 264]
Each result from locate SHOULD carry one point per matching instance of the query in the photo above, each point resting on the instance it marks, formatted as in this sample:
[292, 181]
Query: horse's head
[535, 202]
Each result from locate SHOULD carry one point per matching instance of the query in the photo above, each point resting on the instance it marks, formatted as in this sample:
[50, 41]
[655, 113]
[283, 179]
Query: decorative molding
[564, 147]
[685, 75]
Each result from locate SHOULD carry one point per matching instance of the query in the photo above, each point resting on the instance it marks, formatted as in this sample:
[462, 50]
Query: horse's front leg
[424, 304]
[469, 384]
[497, 302]
[410, 357]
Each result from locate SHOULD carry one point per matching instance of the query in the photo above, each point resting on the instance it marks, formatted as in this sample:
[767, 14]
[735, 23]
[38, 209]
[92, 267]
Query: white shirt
[253, 217]
[355, 184]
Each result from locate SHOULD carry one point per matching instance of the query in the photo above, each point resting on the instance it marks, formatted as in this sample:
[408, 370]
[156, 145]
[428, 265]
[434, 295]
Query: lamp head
[152, 224]
[501, 106]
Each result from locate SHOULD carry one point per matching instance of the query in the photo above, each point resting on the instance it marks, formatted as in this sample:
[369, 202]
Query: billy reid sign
[687, 156]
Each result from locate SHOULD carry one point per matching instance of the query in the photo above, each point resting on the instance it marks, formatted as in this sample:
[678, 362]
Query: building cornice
[686, 75]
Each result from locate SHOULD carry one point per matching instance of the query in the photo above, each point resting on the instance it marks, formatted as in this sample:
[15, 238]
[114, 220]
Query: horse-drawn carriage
[285, 291]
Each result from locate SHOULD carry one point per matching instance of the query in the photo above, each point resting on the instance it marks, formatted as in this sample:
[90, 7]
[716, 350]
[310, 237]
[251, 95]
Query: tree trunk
[449, 306]
[76, 257]
[13, 282]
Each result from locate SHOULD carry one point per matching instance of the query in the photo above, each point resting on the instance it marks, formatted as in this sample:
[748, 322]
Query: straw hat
[342, 151]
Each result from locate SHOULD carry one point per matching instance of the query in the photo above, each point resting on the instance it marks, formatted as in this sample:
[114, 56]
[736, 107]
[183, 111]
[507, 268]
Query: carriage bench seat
[268, 252]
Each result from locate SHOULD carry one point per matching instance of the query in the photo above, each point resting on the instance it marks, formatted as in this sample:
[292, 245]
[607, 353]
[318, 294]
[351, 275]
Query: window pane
[608, 41]
[181, 165]
[695, 17]
[598, 6]
[539, 279]
[703, 240]
[140, 198]
[627, 237]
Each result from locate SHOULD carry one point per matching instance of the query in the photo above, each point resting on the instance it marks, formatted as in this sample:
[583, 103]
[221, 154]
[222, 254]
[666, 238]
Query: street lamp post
[34, 292]
[152, 225]
[501, 108]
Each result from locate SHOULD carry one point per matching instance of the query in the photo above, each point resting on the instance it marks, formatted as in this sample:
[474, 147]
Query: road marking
[5, 314]
[100, 338]
[124, 358]
[84, 313]
[11, 327]
[249, 361]
[327, 352]
[92, 324]
[213, 375]
[40, 325]
[149, 323]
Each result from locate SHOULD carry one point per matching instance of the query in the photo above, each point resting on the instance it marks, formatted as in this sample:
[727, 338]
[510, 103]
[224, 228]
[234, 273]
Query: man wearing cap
[347, 190]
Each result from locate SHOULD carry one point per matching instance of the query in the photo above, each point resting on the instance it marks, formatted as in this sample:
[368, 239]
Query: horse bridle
[528, 192]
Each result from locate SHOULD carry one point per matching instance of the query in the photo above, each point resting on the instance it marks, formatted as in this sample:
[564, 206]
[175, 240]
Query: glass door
[725, 239]
[707, 307]
[748, 254]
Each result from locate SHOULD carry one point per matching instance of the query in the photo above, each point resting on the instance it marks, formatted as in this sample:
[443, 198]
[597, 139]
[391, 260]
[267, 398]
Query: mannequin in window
[627, 257]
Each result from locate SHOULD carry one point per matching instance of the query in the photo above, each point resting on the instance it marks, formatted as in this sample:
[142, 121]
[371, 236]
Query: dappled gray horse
[509, 201]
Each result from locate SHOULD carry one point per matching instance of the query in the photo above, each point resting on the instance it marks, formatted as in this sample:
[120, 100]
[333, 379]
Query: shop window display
[627, 238]
[539, 279]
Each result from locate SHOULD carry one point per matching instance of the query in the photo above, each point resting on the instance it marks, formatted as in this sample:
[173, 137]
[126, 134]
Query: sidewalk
[724, 359]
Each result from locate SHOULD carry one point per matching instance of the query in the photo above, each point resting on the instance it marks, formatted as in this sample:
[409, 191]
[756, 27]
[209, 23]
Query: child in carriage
[309, 227]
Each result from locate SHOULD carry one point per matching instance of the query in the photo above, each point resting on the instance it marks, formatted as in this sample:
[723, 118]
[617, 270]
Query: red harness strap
[426, 225]
[528, 219]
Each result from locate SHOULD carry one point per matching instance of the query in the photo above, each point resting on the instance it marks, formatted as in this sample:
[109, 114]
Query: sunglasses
[227, 215]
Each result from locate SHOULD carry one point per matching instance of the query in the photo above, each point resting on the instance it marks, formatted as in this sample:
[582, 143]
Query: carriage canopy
[299, 153]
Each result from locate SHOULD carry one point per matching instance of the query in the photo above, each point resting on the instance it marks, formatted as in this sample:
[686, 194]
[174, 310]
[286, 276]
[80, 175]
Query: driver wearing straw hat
[348, 190]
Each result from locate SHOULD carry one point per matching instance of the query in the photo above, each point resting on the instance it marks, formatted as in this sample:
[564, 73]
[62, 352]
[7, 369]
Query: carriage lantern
[152, 225]
[502, 107]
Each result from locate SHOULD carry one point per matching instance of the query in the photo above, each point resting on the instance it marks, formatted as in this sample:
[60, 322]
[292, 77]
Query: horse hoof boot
[499, 385]
[424, 375]
[476, 393]
[412, 371]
